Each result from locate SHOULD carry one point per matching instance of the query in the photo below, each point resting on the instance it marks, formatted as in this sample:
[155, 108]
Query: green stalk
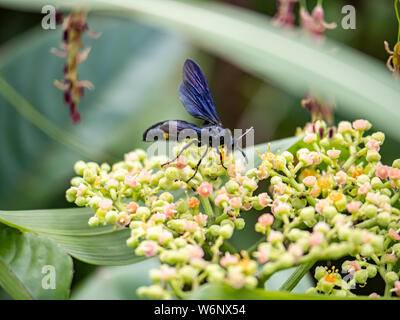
[296, 276]
[205, 202]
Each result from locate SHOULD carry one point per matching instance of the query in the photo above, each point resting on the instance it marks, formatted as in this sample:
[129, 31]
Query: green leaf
[70, 229]
[220, 292]
[115, 283]
[134, 74]
[26, 265]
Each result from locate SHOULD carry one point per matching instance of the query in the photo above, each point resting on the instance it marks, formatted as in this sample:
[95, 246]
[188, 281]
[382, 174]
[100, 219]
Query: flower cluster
[334, 198]
[74, 27]
[330, 197]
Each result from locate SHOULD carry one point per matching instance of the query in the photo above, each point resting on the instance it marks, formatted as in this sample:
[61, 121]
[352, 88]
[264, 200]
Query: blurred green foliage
[136, 72]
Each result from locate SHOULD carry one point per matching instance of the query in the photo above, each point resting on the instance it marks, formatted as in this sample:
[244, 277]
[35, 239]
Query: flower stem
[207, 207]
[296, 276]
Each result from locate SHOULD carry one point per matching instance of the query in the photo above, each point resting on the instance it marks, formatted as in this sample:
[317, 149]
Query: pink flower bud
[264, 199]
[164, 236]
[372, 197]
[266, 219]
[306, 158]
[228, 259]
[394, 173]
[321, 204]
[195, 252]
[275, 236]
[235, 202]
[132, 207]
[341, 177]
[394, 235]
[373, 145]
[200, 218]
[309, 181]
[353, 206]
[131, 156]
[374, 295]
[149, 247]
[316, 238]
[130, 181]
[205, 189]
[344, 127]
[181, 162]
[262, 255]
[144, 176]
[167, 272]
[295, 250]
[316, 158]
[310, 137]
[382, 171]
[397, 288]
[220, 199]
[158, 217]
[170, 210]
[333, 154]
[364, 188]
[353, 267]
[105, 204]
[123, 219]
[360, 125]
[191, 226]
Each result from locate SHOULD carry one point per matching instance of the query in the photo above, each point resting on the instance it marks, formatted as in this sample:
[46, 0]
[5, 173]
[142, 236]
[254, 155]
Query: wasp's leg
[180, 152]
[198, 164]
[243, 154]
[221, 157]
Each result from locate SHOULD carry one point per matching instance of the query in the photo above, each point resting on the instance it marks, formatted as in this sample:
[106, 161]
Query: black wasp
[195, 95]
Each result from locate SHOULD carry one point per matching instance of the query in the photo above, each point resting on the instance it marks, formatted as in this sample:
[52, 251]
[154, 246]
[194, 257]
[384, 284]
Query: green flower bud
[286, 260]
[391, 277]
[188, 273]
[93, 221]
[165, 183]
[372, 271]
[396, 164]
[228, 222]
[79, 167]
[288, 156]
[214, 230]
[370, 211]
[252, 173]
[111, 216]
[232, 186]
[319, 272]
[105, 167]
[142, 213]
[167, 197]
[307, 213]
[182, 206]
[367, 250]
[89, 174]
[132, 242]
[177, 225]
[383, 219]
[376, 183]
[141, 154]
[362, 179]
[329, 212]
[71, 194]
[339, 293]
[276, 180]
[312, 291]
[155, 275]
[226, 231]
[250, 282]
[172, 173]
[378, 136]
[377, 242]
[396, 249]
[298, 203]
[135, 224]
[80, 201]
[239, 223]
[75, 182]
[385, 192]
[373, 156]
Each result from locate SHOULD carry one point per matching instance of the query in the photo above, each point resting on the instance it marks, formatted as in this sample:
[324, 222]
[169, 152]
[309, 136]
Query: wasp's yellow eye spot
[166, 135]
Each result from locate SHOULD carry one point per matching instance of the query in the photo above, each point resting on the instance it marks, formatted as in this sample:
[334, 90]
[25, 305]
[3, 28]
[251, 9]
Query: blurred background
[136, 70]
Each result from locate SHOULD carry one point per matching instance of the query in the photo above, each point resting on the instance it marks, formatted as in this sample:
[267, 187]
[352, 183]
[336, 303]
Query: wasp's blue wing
[175, 130]
[195, 94]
